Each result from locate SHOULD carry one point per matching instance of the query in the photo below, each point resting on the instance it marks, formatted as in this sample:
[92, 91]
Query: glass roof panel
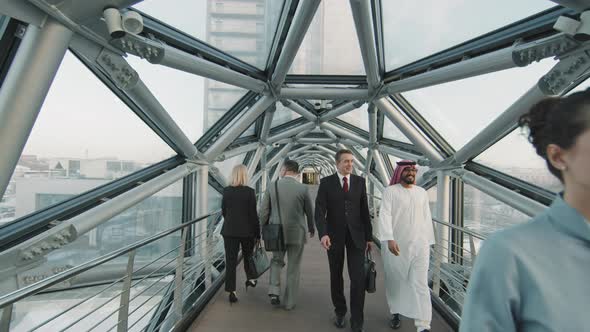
[220, 97]
[358, 117]
[458, 110]
[79, 141]
[331, 44]
[581, 87]
[191, 95]
[283, 115]
[188, 90]
[242, 28]
[250, 131]
[391, 131]
[225, 167]
[515, 156]
[413, 30]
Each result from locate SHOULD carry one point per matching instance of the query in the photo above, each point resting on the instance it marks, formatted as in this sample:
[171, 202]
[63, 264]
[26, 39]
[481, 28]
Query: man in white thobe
[405, 231]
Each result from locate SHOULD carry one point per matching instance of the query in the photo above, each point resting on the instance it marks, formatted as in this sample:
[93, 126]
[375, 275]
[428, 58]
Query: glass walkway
[120, 121]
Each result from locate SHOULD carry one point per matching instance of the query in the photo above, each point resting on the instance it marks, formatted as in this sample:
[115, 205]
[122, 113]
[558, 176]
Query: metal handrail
[462, 229]
[33, 289]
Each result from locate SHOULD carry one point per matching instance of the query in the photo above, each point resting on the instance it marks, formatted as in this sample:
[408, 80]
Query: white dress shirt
[340, 176]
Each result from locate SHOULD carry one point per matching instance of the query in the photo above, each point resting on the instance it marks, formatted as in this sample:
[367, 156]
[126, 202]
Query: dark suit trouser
[356, 273]
[232, 247]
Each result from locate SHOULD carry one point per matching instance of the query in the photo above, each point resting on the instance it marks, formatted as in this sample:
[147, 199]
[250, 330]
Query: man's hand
[325, 240]
[369, 245]
[393, 247]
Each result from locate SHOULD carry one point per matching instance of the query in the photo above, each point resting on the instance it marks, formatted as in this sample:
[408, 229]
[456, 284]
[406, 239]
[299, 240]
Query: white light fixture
[132, 22]
[118, 24]
[112, 18]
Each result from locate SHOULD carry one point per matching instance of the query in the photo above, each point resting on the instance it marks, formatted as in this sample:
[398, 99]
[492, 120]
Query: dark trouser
[356, 273]
[232, 247]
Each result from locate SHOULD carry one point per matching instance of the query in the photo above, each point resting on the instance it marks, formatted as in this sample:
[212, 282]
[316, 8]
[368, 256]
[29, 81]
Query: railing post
[178, 275]
[443, 212]
[438, 255]
[124, 307]
[472, 248]
[6, 318]
[202, 209]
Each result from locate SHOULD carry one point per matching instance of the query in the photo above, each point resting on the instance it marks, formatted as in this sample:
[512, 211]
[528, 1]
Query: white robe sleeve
[385, 225]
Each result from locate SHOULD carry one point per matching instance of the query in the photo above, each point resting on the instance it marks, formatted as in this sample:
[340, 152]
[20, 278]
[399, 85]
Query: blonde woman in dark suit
[240, 227]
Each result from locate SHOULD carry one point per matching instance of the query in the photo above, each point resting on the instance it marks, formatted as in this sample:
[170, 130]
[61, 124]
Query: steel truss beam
[537, 26]
[127, 80]
[26, 85]
[362, 14]
[297, 31]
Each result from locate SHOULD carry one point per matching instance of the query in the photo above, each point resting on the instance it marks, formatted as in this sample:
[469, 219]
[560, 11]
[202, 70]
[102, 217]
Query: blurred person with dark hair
[344, 225]
[240, 227]
[534, 276]
[297, 219]
[405, 230]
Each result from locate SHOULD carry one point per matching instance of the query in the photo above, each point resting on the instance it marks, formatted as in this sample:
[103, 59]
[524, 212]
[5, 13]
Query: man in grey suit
[296, 216]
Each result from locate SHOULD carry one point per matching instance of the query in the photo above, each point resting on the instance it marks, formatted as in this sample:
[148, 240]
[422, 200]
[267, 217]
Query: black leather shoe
[274, 300]
[395, 322]
[251, 283]
[339, 322]
[232, 298]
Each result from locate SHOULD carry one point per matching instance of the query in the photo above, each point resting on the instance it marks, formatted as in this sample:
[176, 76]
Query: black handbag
[272, 234]
[370, 273]
[258, 263]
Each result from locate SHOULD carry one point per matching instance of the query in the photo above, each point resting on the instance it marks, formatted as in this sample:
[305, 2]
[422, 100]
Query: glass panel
[225, 167]
[443, 24]
[73, 149]
[180, 94]
[156, 213]
[331, 44]
[432, 199]
[458, 111]
[391, 131]
[484, 214]
[244, 29]
[581, 87]
[283, 115]
[214, 199]
[250, 131]
[515, 156]
[220, 98]
[358, 117]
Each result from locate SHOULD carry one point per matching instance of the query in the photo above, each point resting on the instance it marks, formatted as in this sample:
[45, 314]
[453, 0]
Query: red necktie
[345, 184]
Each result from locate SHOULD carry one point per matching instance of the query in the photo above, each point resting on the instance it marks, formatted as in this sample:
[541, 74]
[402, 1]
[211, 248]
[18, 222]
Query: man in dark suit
[343, 223]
